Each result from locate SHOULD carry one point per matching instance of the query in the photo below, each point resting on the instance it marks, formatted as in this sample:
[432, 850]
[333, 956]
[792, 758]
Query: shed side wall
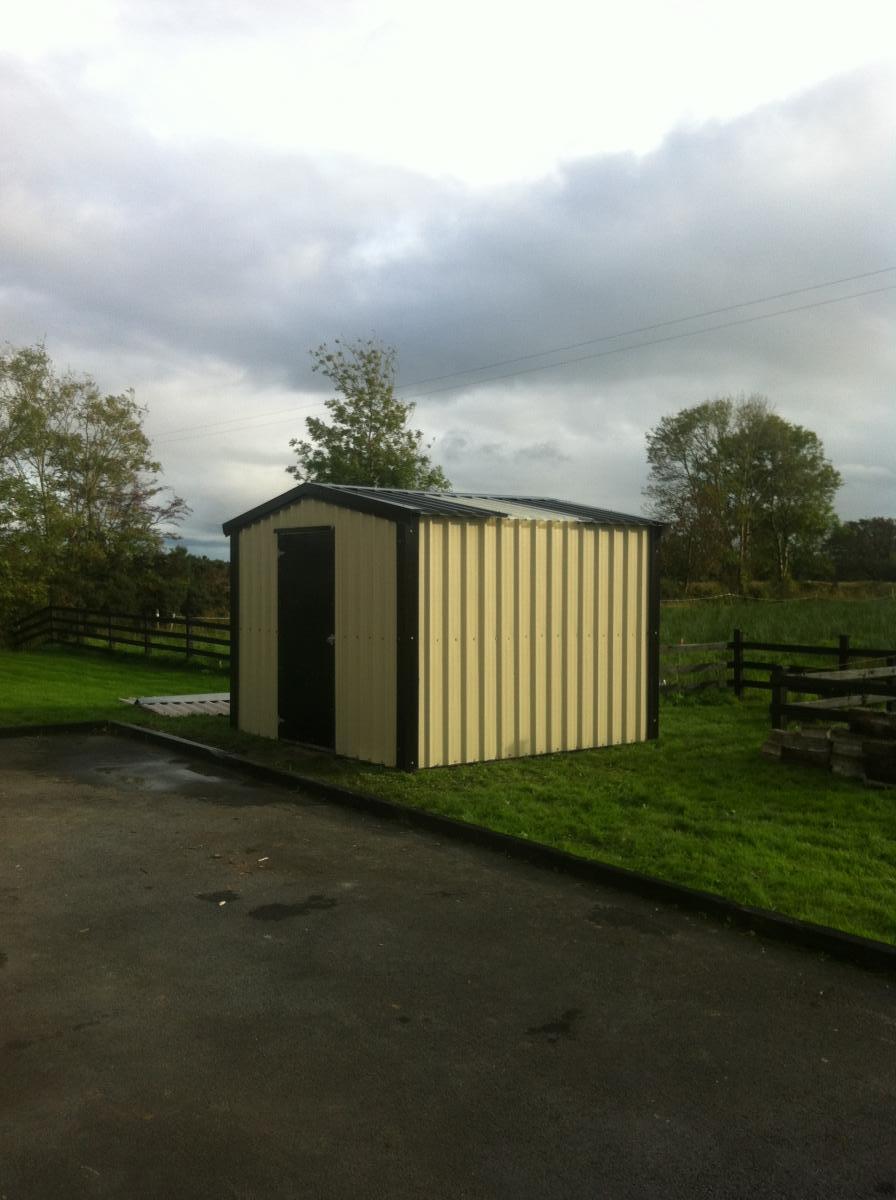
[533, 638]
[365, 630]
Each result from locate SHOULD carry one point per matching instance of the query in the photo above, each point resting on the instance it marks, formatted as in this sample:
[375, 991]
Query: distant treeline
[172, 581]
[864, 549]
[856, 559]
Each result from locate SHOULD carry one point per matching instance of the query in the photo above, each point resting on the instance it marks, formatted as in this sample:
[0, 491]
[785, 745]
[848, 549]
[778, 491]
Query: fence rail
[735, 665]
[191, 637]
[842, 694]
[678, 671]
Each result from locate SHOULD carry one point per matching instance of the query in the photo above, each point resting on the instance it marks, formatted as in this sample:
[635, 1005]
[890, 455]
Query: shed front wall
[533, 638]
[365, 630]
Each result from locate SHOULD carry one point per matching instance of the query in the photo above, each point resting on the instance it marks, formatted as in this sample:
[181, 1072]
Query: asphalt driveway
[214, 988]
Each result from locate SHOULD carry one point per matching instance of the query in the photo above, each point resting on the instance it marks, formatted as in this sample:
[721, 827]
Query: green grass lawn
[70, 684]
[699, 807]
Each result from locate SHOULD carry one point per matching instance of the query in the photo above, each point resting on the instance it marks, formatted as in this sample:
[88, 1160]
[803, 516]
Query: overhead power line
[609, 337]
[168, 435]
[672, 337]
[256, 421]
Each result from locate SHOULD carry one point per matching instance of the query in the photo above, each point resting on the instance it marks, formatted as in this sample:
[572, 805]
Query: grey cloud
[131, 250]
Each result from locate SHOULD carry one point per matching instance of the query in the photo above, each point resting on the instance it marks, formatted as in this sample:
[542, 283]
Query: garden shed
[420, 629]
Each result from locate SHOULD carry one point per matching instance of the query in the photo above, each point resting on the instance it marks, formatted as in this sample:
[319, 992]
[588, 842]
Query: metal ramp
[215, 704]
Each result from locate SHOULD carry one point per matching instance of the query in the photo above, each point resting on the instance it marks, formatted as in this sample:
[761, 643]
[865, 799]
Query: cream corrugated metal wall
[365, 626]
[533, 638]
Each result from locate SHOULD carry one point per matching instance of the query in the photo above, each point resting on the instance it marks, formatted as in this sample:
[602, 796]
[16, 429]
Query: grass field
[868, 622]
[699, 807]
[69, 684]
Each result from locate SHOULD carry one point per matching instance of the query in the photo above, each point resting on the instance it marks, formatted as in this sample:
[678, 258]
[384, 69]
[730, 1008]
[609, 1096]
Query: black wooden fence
[733, 664]
[188, 637]
[738, 663]
[841, 693]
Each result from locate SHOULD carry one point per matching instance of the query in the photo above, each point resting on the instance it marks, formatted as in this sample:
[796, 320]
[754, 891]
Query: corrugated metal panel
[533, 638]
[365, 626]
[509, 507]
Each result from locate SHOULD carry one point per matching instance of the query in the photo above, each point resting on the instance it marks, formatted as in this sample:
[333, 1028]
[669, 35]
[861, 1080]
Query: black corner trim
[389, 510]
[407, 722]
[235, 630]
[653, 635]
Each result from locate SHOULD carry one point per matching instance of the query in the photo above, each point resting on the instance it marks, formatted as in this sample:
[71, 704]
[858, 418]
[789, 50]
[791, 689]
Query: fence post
[189, 636]
[51, 622]
[737, 647]
[109, 622]
[779, 698]
[147, 647]
[843, 651]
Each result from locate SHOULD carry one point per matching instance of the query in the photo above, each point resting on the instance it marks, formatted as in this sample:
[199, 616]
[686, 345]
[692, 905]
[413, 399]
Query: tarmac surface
[215, 988]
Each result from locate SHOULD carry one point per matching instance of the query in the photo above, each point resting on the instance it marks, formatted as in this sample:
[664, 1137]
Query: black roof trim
[395, 503]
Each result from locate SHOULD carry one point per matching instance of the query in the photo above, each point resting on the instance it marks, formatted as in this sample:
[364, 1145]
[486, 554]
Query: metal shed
[419, 629]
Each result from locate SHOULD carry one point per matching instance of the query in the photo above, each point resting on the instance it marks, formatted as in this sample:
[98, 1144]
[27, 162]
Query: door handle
[331, 640]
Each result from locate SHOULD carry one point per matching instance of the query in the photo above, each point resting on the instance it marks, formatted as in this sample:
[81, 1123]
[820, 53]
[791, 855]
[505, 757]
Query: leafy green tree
[796, 485]
[687, 487]
[80, 502]
[367, 440]
[744, 491]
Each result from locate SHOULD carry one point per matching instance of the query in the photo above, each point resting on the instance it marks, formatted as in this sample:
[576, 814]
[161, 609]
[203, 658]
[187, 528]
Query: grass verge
[698, 807]
[70, 684]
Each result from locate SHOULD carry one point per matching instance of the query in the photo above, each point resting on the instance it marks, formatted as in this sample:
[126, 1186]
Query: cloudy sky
[569, 218]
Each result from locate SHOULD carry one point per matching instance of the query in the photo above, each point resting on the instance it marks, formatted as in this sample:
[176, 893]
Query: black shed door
[306, 612]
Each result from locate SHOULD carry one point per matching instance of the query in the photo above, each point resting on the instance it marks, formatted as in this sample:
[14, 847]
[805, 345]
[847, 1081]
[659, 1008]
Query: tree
[687, 488]
[797, 486]
[80, 503]
[864, 549]
[742, 489]
[367, 441]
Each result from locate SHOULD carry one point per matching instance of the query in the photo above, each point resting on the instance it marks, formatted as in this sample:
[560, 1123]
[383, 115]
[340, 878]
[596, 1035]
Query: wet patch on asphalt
[280, 912]
[15, 1044]
[178, 775]
[552, 1031]
[18, 1044]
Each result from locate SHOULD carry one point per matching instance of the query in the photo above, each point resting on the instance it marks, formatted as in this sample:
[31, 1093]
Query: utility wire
[672, 337]
[166, 433]
[609, 337]
[248, 425]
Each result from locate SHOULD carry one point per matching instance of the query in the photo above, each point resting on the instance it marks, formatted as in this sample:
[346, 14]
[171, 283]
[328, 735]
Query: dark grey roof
[392, 503]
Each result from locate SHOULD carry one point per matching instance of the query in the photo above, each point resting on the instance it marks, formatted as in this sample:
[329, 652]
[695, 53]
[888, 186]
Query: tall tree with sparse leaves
[367, 440]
